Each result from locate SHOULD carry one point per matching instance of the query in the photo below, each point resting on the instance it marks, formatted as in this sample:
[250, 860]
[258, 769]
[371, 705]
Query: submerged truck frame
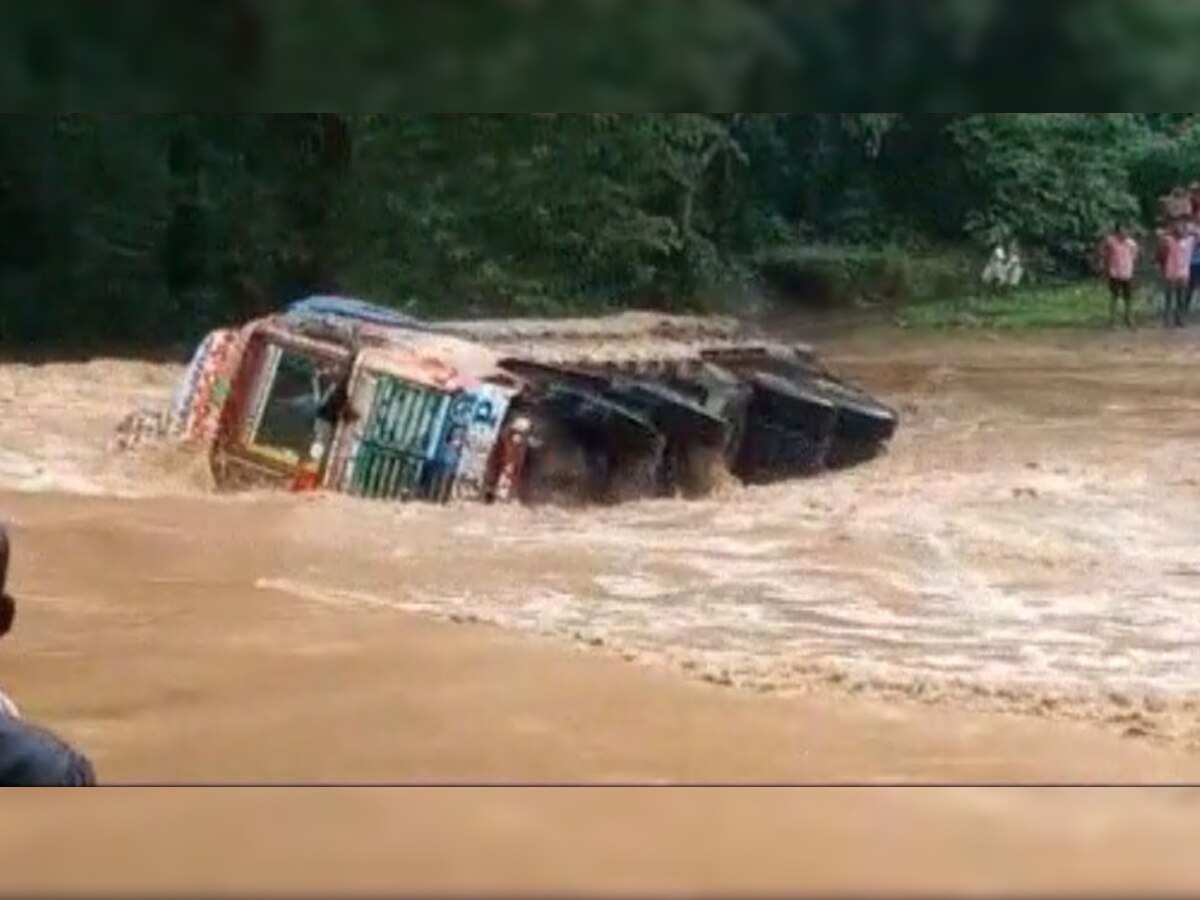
[343, 395]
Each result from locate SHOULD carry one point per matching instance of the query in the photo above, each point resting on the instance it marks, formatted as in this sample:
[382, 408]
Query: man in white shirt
[1003, 269]
[996, 270]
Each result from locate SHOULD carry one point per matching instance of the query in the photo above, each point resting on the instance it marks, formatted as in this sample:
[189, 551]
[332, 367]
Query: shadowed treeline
[152, 228]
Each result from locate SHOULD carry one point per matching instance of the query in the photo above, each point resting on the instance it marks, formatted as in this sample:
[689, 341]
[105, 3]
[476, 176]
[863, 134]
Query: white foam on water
[632, 587]
[1021, 532]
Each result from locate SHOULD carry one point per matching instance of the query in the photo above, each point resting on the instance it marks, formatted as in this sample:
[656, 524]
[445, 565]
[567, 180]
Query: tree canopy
[159, 225]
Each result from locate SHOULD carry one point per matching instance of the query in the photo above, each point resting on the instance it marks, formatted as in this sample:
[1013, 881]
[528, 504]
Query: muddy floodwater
[1030, 542]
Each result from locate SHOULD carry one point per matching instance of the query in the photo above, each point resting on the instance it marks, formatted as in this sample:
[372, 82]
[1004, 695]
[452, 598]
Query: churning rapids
[1031, 541]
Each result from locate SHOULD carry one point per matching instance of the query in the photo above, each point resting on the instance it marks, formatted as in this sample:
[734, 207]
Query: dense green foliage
[156, 227]
[159, 226]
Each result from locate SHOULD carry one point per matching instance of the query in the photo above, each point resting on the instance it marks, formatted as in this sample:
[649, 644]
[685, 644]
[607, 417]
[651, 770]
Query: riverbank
[1082, 305]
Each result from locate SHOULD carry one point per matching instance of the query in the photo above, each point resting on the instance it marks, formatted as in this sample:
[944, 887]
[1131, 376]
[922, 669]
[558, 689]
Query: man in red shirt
[1118, 256]
[1176, 267]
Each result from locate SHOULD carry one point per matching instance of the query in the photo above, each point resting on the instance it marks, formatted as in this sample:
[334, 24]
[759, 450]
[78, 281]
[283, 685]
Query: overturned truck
[339, 394]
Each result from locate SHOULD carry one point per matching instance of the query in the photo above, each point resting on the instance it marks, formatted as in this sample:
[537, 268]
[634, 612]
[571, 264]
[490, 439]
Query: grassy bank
[841, 276]
[1073, 305]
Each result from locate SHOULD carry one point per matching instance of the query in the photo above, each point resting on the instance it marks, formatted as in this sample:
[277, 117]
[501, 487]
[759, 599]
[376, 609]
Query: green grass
[1075, 305]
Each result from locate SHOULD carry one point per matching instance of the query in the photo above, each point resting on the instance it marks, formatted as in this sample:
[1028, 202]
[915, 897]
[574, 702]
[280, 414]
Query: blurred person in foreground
[1176, 260]
[1118, 255]
[31, 756]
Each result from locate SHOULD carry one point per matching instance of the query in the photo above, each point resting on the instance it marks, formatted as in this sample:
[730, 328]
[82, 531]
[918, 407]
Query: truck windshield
[301, 384]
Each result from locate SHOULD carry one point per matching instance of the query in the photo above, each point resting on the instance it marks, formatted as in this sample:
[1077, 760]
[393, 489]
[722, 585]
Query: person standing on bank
[1118, 256]
[1193, 229]
[1177, 264]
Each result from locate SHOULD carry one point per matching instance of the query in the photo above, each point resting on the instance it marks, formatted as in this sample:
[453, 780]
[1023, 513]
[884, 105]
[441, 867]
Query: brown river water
[1030, 541]
[1010, 594]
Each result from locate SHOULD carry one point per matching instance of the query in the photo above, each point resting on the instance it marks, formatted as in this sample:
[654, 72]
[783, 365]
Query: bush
[1161, 163]
[1056, 181]
[831, 277]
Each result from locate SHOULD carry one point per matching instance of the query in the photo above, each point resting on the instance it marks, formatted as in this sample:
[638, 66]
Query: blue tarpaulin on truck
[323, 305]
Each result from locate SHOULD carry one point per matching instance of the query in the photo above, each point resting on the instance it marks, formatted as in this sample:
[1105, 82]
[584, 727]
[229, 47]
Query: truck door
[396, 457]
